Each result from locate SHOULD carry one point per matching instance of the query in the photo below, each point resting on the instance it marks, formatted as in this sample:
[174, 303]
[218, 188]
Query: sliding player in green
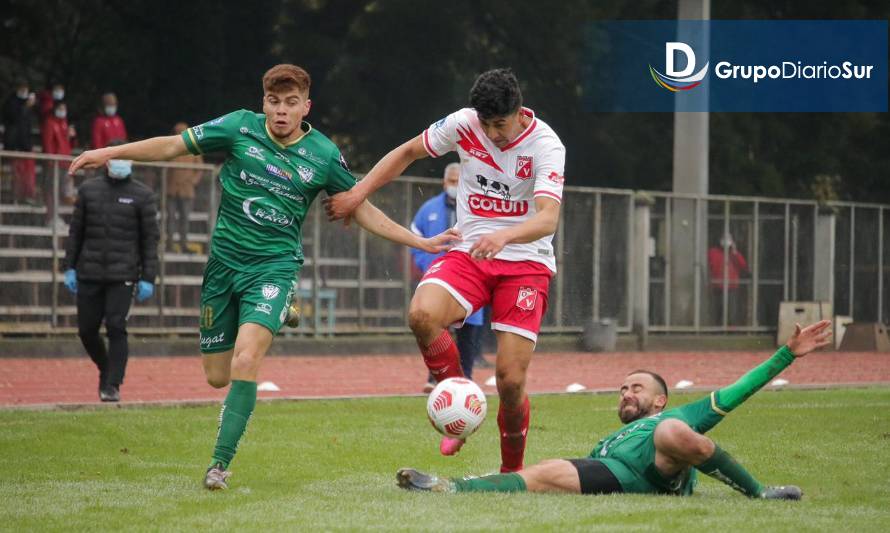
[657, 451]
[276, 164]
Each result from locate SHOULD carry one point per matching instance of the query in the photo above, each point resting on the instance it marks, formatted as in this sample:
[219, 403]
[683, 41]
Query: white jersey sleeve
[549, 170]
[441, 137]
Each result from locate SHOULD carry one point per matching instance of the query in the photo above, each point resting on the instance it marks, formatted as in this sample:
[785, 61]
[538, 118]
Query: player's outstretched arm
[802, 342]
[376, 222]
[154, 149]
[392, 165]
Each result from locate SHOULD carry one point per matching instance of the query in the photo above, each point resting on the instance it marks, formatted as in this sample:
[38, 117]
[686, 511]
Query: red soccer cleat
[450, 446]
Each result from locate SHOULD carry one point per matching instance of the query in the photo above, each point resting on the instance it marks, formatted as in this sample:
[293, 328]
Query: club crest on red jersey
[524, 167]
[527, 298]
[473, 146]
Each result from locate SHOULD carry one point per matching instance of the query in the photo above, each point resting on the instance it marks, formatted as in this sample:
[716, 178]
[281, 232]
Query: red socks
[513, 425]
[442, 358]
[443, 361]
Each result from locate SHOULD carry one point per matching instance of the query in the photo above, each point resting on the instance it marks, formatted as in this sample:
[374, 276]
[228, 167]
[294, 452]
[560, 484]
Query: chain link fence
[356, 283]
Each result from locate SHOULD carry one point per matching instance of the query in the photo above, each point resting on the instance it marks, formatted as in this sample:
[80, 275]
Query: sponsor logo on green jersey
[279, 188]
[311, 157]
[258, 211]
[256, 153]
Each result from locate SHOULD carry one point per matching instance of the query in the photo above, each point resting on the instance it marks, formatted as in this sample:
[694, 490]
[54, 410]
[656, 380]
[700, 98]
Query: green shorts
[230, 298]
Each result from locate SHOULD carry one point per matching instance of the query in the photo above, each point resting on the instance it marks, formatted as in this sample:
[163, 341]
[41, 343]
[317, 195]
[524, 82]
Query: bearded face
[640, 396]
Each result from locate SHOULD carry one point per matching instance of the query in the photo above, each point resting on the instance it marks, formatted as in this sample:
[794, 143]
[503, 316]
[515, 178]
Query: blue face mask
[119, 168]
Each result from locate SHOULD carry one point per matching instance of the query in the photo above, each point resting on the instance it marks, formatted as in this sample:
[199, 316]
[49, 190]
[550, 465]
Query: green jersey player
[276, 164]
[657, 451]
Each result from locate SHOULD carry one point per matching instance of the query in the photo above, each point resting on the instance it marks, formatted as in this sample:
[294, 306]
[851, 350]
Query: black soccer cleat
[410, 479]
[109, 393]
[783, 492]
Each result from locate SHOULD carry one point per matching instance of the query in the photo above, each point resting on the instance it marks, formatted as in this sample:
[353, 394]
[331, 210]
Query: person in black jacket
[112, 246]
[18, 119]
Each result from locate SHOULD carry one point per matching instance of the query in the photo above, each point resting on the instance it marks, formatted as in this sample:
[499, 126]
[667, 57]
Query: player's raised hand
[810, 338]
[488, 246]
[443, 242]
[90, 159]
[341, 205]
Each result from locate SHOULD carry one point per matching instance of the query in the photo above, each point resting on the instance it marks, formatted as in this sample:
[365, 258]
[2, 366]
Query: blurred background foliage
[383, 70]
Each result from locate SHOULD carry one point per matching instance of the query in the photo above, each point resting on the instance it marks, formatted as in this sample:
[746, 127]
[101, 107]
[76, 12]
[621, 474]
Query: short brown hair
[285, 77]
[658, 379]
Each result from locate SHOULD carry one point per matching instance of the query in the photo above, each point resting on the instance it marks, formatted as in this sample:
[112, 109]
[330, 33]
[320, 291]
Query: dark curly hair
[496, 94]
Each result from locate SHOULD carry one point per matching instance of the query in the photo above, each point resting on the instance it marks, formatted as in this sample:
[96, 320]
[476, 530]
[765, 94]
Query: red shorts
[516, 290]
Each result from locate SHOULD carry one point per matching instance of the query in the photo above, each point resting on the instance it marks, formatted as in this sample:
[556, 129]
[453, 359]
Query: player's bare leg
[251, 345]
[432, 310]
[218, 368]
[513, 357]
[554, 475]
[679, 447]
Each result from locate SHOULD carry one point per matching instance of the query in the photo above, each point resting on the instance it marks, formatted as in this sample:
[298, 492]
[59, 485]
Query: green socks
[236, 411]
[722, 466]
[494, 483]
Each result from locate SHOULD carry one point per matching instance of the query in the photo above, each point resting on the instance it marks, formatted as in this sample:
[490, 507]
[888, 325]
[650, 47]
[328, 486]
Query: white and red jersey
[498, 186]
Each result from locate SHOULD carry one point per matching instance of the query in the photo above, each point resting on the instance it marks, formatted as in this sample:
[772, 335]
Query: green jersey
[699, 415]
[633, 449]
[630, 452]
[267, 188]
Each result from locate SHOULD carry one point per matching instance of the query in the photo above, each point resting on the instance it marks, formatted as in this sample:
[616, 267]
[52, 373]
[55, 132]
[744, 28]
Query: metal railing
[353, 283]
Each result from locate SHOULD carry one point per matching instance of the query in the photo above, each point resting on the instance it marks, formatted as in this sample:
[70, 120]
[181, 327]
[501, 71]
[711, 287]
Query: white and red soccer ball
[456, 407]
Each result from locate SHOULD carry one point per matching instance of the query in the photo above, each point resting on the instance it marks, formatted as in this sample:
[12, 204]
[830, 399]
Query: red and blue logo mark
[278, 172]
[679, 80]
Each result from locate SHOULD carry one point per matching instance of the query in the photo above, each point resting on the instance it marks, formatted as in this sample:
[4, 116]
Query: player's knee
[510, 385]
[702, 449]
[246, 361]
[116, 326]
[420, 321]
[218, 382]
[87, 331]
[678, 440]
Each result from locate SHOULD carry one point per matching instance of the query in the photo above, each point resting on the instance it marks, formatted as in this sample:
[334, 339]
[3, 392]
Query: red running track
[29, 381]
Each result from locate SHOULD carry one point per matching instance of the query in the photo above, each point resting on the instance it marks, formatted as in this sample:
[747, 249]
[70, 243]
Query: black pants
[111, 302]
[469, 344]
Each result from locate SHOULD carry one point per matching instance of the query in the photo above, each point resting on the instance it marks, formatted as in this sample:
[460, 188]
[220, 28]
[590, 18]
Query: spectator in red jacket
[726, 254]
[108, 126]
[48, 98]
[58, 137]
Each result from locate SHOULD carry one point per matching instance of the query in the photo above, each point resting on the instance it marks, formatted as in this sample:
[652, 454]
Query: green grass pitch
[330, 465]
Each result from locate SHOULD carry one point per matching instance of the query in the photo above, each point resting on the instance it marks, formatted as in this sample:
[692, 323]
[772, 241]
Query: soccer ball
[456, 407]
